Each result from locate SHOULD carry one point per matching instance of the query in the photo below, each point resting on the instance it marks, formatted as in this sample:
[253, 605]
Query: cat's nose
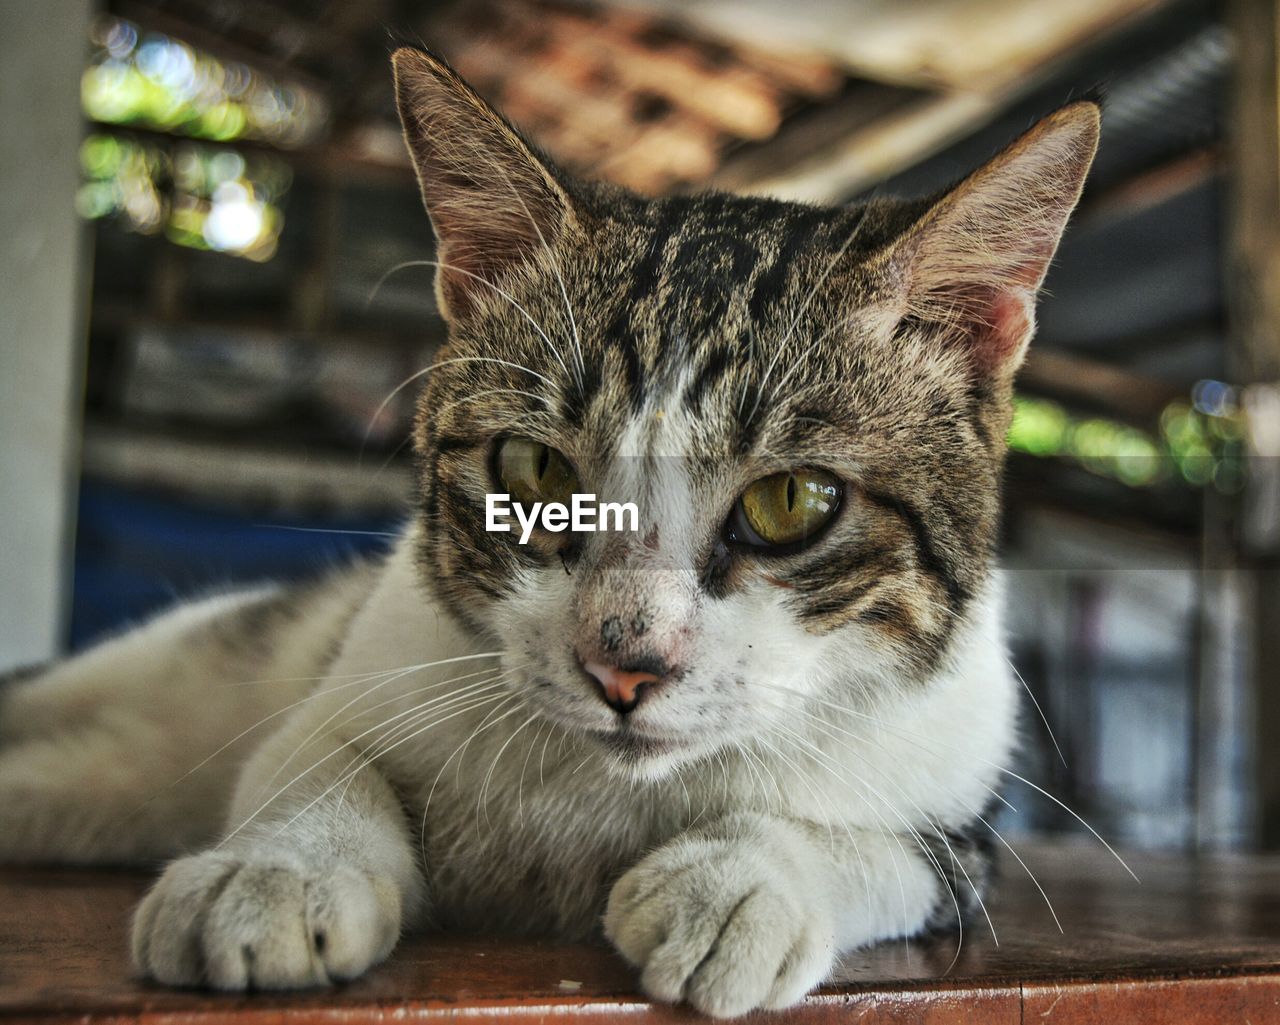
[622, 689]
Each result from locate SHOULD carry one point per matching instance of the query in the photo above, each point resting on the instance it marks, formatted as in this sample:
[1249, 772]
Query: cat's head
[808, 406]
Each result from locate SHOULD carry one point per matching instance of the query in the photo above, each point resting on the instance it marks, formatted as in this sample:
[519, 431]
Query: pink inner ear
[477, 253]
[1000, 335]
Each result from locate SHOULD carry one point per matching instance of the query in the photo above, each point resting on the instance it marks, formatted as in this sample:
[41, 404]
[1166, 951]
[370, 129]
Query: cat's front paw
[728, 925]
[263, 920]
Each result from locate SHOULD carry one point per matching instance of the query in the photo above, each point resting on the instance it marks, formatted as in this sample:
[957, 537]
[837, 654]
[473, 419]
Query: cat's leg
[130, 751]
[316, 876]
[751, 911]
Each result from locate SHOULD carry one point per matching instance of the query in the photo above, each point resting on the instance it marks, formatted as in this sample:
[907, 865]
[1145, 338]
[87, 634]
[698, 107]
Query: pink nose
[620, 688]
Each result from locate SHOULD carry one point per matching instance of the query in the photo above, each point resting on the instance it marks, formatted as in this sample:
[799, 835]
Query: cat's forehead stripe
[702, 288]
[802, 231]
[717, 361]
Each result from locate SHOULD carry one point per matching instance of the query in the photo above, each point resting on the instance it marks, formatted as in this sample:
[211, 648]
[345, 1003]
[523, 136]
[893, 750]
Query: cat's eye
[533, 472]
[785, 508]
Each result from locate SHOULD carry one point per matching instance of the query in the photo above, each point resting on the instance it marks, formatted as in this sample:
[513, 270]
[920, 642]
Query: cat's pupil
[544, 460]
[791, 493]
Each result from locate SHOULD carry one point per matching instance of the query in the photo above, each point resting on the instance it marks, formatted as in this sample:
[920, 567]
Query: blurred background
[210, 296]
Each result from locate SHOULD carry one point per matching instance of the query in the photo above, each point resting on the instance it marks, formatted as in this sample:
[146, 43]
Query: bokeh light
[198, 196]
[1199, 441]
[202, 196]
[153, 81]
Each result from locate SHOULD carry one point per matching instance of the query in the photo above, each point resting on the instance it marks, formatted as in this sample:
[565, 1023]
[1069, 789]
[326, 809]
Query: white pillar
[43, 302]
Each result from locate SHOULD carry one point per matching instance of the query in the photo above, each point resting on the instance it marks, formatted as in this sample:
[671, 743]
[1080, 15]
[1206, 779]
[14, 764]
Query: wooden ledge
[1195, 941]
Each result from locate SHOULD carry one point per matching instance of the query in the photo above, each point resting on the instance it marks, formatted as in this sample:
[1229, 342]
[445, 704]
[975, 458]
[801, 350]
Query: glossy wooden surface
[1194, 942]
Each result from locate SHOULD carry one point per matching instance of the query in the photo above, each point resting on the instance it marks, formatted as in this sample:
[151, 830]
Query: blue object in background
[137, 553]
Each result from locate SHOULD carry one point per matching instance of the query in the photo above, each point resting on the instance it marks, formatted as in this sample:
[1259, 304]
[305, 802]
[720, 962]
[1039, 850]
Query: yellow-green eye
[534, 472]
[785, 508]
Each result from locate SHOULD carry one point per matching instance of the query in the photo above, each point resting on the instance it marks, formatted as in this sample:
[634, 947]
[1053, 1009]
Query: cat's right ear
[972, 265]
[494, 203]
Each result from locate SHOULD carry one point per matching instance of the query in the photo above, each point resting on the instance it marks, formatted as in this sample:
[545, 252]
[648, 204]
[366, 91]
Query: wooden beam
[953, 105]
[1154, 186]
[859, 160]
[806, 134]
[1121, 393]
[1255, 199]
[1253, 277]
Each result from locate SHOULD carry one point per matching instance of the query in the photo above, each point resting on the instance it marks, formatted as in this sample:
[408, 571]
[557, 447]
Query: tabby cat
[763, 728]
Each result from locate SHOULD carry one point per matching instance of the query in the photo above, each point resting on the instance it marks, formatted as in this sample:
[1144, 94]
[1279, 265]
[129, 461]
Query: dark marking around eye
[836, 605]
[928, 556]
[715, 574]
[840, 579]
[452, 443]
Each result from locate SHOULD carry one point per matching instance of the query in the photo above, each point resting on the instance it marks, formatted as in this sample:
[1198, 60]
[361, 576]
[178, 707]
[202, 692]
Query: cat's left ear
[971, 267]
[494, 203]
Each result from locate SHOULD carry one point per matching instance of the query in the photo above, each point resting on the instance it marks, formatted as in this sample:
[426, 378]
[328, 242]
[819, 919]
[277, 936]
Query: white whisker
[482, 796]
[297, 778]
[1040, 711]
[436, 365]
[366, 760]
[488, 284]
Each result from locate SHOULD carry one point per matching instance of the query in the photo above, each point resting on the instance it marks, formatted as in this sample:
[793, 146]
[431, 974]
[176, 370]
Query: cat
[764, 728]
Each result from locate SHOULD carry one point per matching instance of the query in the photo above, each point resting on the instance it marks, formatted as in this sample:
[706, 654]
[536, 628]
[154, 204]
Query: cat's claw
[722, 925]
[265, 920]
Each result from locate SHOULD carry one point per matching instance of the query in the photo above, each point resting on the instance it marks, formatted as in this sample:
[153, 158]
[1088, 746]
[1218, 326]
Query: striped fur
[878, 342]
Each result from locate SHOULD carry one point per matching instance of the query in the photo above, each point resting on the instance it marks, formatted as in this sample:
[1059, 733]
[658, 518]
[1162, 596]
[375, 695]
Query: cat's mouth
[629, 744]
[632, 747]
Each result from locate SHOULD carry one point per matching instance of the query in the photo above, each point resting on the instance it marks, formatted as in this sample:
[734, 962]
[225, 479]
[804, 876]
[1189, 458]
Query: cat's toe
[767, 954]
[168, 925]
[256, 935]
[233, 923]
[720, 928]
[353, 920]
